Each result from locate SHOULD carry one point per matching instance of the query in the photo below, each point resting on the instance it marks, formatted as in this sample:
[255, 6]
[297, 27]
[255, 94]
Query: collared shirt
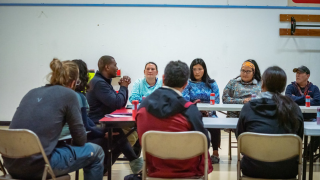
[141, 88]
[266, 94]
[178, 92]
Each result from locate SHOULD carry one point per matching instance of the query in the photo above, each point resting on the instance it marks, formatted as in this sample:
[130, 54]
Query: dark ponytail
[274, 79]
[83, 76]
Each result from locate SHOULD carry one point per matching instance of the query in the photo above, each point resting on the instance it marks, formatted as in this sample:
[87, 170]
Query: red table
[116, 122]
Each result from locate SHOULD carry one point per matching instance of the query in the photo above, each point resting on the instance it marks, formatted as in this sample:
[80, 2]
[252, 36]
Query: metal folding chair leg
[229, 151]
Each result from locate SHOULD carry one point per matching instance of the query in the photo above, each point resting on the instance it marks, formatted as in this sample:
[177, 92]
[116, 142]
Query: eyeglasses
[247, 72]
[78, 82]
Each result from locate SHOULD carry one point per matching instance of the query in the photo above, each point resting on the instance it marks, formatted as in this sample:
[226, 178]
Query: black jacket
[260, 116]
[103, 99]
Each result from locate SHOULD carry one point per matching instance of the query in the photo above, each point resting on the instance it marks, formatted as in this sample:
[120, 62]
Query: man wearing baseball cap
[298, 90]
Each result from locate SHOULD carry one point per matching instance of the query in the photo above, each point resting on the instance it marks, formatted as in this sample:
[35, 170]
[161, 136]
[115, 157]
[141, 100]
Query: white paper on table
[117, 115]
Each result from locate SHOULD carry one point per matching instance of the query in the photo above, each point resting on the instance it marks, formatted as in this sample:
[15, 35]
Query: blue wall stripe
[161, 5]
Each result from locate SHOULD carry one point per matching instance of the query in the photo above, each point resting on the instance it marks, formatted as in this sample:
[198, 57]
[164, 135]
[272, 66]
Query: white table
[238, 107]
[220, 123]
[219, 107]
[310, 129]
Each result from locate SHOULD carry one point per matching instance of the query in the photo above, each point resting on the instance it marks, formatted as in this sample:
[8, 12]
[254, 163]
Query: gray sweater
[44, 111]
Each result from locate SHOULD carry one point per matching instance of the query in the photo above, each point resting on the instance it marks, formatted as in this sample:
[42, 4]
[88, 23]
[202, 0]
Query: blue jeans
[90, 157]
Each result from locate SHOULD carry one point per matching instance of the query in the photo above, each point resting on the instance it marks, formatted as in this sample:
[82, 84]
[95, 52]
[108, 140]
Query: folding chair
[21, 143]
[269, 148]
[174, 145]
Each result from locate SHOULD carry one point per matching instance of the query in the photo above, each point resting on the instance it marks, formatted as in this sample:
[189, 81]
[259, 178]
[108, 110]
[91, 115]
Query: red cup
[212, 98]
[135, 108]
[119, 72]
[307, 101]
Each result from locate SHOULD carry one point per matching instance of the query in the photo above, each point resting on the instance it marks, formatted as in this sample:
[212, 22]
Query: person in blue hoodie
[298, 90]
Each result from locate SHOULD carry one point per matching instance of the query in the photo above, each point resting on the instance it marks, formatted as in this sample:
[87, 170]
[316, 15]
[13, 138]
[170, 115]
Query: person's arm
[315, 100]
[109, 97]
[228, 92]
[290, 93]
[186, 93]
[135, 92]
[215, 89]
[241, 122]
[195, 118]
[74, 120]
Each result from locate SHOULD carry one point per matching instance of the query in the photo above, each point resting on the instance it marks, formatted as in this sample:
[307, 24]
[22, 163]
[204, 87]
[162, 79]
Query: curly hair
[176, 74]
[83, 76]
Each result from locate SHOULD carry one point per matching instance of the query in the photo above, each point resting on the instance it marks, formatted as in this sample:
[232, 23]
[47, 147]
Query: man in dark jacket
[298, 90]
[101, 96]
[166, 110]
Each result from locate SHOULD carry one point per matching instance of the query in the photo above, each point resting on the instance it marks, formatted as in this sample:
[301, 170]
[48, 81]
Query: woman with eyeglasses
[240, 89]
[145, 86]
[199, 88]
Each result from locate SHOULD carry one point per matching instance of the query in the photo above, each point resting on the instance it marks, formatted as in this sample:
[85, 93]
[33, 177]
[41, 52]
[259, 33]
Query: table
[219, 107]
[220, 123]
[238, 107]
[110, 123]
[310, 129]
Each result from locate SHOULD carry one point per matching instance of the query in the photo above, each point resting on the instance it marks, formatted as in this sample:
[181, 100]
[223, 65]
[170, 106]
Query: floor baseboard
[5, 123]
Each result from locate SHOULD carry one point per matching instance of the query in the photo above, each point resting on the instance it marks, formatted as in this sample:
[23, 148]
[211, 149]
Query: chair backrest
[21, 143]
[269, 147]
[174, 145]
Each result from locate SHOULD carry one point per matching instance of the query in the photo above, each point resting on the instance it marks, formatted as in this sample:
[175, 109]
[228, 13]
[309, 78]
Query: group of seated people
[69, 104]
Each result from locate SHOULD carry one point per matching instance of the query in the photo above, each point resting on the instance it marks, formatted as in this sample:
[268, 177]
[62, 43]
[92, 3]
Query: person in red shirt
[166, 110]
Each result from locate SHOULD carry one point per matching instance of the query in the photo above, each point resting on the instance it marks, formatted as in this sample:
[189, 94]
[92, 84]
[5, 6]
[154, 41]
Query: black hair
[256, 71]
[274, 79]
[205, 78]
[103, 61]
[176, 74]
[83, 76]
[151, 63]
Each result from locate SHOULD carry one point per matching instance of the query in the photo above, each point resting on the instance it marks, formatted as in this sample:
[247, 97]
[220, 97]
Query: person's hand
[293, 95]
[125, 81]
[196, 101]
[246, 100]
[113, 134]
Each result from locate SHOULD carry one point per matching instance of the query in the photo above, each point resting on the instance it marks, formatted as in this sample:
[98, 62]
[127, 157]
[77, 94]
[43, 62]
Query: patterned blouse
[142, 88]
[199, 90]
[237, 90]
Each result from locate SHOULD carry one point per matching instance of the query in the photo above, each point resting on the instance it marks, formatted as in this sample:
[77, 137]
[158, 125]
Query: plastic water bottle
[253, 96]
[318, 116]
[307, 101]
[135, 108]
[212, 98]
